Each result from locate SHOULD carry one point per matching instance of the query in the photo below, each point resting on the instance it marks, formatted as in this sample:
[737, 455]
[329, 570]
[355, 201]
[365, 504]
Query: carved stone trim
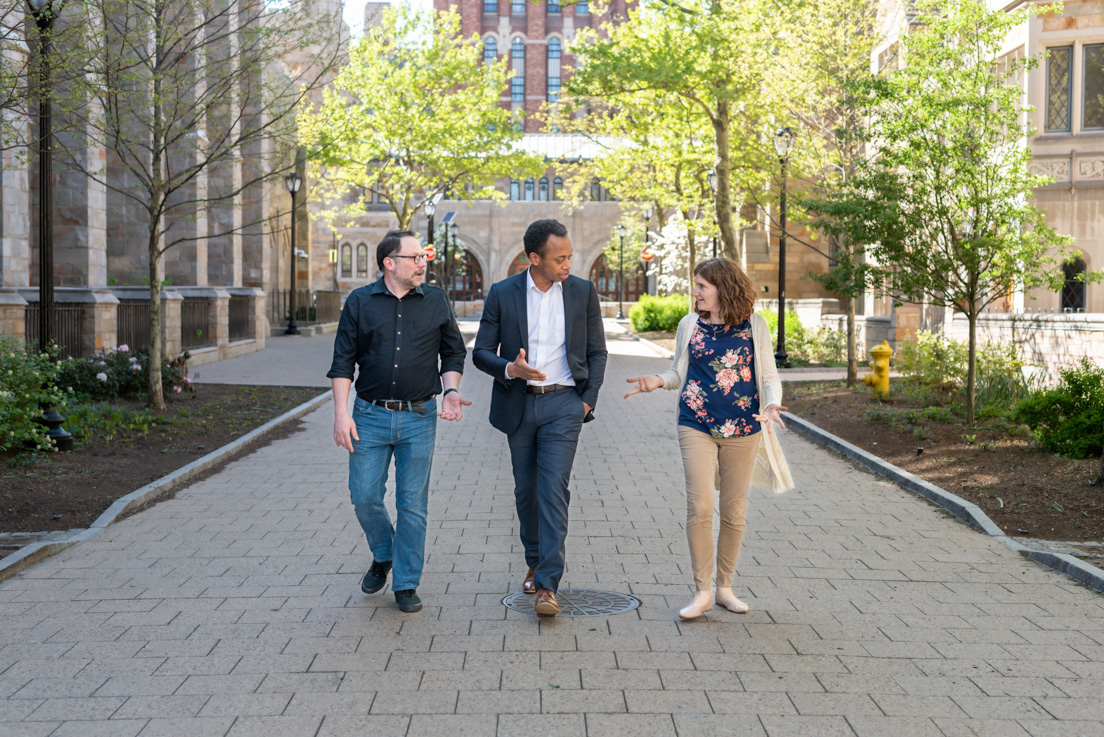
[1058, 169]
[1091, 168]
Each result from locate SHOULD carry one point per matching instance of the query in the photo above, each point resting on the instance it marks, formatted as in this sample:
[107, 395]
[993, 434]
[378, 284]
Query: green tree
[414, 114]
[708, 53]
[945, 203]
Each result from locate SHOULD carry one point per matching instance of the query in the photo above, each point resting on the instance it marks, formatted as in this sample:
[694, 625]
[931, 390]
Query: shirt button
[396, 366]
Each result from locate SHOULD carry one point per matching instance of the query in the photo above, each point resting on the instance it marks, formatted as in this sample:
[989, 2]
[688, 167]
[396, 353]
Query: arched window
[519, 264]
[604, 276]
[490, 6]
[555, 52]
[553, 6]
[517, 64]
[346, 260]
[528, 190]
[362, 261]
[1073, 291]
[515, 189]
[490, 50]
[582, 7]
[542, 191]
[595, 192]
[467, 277]
[557, 188]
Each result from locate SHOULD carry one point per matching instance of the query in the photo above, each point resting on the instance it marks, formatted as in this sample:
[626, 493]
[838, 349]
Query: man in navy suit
[541, 338]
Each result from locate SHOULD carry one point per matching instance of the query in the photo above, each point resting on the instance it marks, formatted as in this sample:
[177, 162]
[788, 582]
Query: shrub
[804, 346]
[26, 386]
[121, 373]
[1070, 418]
[659, 313]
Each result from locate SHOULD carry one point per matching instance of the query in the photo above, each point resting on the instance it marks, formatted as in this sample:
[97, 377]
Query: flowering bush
[26, 385]
[122, 373]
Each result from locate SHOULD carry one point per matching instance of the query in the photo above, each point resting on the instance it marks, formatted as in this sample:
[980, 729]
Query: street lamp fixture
[43, 13]
[647, 213]
[621, 272]
[783, 144]
[294, 183]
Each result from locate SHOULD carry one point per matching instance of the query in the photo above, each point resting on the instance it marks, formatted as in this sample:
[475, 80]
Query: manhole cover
[578, 603]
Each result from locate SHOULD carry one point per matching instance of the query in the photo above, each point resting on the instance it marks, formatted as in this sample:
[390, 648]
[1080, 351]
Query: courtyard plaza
[234, 607]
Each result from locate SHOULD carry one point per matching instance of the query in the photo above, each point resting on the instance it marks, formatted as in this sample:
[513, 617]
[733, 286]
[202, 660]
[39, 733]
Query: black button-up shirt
[396, 342]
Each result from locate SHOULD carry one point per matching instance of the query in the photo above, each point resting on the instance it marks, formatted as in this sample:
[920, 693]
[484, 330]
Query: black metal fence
[311, 306]
[241, 317]
[68, 327]
[134, 323]
[194, 328]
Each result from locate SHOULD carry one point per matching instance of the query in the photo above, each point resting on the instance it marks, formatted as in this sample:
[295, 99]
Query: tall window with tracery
[1073, 291]
[517, 63]
[490, 51]
[555, 53]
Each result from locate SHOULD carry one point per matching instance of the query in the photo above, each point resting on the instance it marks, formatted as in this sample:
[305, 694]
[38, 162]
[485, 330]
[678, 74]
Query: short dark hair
[536, 235]
[391, 243]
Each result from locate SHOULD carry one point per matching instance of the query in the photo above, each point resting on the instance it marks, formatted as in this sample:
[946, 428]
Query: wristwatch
[445, 392]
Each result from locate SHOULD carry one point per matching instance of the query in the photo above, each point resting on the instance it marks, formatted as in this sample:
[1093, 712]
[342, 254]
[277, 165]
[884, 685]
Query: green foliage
[806, 346]
[121, 373]
[27, 381]
[86, 420]
[1070, 418]
[659, 313]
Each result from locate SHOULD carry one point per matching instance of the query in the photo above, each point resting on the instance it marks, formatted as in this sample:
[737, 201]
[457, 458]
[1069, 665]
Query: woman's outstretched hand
[644, 384]
[770, 415]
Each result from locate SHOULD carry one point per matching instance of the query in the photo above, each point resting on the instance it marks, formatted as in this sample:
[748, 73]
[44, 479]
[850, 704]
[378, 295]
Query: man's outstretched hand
[519, 369]
[452, 406]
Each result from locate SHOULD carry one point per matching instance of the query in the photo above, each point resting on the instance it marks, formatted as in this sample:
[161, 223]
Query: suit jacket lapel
[521, 309]
[569, 312]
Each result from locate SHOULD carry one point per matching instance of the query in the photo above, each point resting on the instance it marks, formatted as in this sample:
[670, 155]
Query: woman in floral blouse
[730, 394]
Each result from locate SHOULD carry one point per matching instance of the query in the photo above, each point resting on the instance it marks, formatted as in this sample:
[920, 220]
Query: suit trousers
[701, 453]
[542, 451]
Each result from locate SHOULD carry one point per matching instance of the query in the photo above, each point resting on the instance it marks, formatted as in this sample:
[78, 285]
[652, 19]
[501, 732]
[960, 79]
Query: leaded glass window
[553, 6]
[515, 189]
[1073, 291]
[362, 261]
[347, 260]
[557, 188]
[582, 7]
[1058, 88]
[517, 7]
[517, 63]
[490, 6]
[555, 53]
[490, 50]
[528, 190]
[542, 191]
[1092, 99]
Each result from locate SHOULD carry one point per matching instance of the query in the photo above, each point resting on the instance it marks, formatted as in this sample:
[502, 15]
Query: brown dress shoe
[546, 605]
[528, 586]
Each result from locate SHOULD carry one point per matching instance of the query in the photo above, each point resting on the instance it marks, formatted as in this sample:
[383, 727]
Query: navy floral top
[720, 395]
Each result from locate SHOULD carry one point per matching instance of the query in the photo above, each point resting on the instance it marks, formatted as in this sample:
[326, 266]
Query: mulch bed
[64, 491]
[1026, 492]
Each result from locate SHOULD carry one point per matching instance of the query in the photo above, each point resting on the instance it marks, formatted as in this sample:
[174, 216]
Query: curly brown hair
[735, 291]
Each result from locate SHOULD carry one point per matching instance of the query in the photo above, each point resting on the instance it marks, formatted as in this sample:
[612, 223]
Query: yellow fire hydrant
[878, 378]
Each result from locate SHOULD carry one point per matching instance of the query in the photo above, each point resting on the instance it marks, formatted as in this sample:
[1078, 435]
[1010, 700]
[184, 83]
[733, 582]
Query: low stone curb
[969, 513]
[36, 552]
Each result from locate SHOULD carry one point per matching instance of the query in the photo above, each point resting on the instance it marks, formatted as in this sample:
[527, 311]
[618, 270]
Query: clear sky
[354, 12]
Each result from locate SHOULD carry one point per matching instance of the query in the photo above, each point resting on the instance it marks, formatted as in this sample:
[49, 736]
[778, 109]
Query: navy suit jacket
[504, 330]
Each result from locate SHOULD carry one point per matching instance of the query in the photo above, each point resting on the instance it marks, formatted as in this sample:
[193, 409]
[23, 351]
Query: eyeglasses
[420, 258]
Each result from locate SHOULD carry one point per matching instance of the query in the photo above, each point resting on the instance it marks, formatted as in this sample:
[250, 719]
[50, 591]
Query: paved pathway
[235, 609]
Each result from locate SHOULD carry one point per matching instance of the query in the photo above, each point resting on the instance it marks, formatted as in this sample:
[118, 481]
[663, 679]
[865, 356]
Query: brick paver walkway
[235, 608]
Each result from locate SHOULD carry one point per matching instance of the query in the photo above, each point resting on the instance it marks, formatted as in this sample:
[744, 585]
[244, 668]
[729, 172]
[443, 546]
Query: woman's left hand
[770, 415]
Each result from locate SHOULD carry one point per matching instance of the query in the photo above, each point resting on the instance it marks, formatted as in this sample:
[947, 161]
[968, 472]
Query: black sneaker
[376, 577]
[408, 600]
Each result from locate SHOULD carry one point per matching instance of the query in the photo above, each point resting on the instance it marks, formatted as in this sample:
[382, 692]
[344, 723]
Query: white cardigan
[771, 470]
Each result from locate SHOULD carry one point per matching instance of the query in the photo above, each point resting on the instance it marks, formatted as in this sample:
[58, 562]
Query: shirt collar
[379, 287]
[530, 286]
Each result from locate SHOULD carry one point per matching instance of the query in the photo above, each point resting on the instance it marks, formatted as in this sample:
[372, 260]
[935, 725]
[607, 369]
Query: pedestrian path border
[36, 552]
[965, 511]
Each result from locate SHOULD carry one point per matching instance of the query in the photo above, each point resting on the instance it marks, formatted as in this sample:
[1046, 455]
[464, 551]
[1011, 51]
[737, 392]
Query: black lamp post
[711, 177]
[44, 15]
[294, 182]
[621, 272]
[430, 209]
[647, 213]
[783, 144]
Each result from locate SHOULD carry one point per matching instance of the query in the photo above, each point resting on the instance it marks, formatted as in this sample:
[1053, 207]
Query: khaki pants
[700, 455]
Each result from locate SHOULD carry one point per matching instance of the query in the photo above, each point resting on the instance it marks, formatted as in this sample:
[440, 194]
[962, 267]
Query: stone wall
[1051, 342]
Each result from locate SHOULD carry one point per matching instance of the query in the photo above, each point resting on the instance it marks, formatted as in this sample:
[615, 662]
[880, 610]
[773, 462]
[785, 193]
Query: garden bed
[128, 447]
[993, 463]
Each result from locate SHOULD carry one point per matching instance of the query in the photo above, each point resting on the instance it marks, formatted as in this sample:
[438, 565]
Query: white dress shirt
[547, 343]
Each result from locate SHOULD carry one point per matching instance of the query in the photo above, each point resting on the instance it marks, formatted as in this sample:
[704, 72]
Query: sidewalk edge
[34, 553]
[965, 511]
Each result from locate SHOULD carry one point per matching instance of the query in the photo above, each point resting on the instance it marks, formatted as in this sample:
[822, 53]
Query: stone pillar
[79, 207]
[224, 127]
[15, 218]
[12, 314]
[101, 318]
[171, 302]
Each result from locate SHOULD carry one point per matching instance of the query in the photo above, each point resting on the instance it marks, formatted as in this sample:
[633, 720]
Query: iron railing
[311, 306]
[327, 305]
[194, 328]
[68, 327]
[241, 317]
[134, 323]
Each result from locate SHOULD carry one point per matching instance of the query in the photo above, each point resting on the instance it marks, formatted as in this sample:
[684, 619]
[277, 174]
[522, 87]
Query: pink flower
[745, 373]
[729, 429]
[187, 380]
[727, 379]
[123, 348]
[730, 359]
[177, 389]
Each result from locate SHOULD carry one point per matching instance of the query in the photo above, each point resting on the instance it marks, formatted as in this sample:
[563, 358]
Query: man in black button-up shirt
[394, 331]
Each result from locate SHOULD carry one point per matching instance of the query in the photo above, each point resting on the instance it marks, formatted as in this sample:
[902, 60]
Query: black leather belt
[533, 389]
[396, 405]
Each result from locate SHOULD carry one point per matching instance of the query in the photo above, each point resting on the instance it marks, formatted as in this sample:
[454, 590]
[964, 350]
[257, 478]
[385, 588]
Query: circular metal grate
[578, 603]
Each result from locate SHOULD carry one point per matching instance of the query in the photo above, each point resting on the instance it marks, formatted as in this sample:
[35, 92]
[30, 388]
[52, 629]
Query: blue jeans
[542, 451]
[408, 437]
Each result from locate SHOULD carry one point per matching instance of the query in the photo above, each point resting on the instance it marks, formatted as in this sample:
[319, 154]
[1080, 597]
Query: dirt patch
[661, 338]
[992, 464]
[64, 491]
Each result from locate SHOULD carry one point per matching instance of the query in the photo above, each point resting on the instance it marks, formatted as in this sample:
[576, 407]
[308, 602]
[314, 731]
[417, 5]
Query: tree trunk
[852, 349]
[1099, 480]
[156, 397]
[690, 268]
[971, 370]
[723, 200]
